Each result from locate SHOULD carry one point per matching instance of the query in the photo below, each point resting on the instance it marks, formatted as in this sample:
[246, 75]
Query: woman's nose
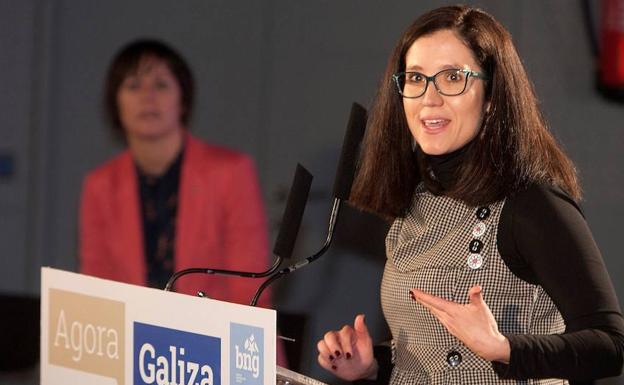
[148, 91]
[432, 97]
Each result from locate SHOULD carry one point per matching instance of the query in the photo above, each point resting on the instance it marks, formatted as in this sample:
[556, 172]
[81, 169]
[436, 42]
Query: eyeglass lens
[448, 82]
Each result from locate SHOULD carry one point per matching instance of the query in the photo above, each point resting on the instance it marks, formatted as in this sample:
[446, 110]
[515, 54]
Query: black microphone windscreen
[293, 213]
[350, 150]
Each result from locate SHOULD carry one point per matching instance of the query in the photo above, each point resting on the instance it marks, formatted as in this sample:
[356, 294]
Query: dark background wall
[276, 79]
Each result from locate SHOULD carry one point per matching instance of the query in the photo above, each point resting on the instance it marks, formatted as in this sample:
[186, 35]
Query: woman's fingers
[325, 362]
[347, 340]
[324, 351]
[339, 342]
[475, 295]
[472, 323]
[432, 302]
[360, 327]
[348, 353]
[331, 341]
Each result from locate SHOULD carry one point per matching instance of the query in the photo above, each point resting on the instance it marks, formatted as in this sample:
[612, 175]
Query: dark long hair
[513, 148]
[126, 62]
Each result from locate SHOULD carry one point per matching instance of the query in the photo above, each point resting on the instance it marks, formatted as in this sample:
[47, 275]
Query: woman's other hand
[473, 323]
[348, 352]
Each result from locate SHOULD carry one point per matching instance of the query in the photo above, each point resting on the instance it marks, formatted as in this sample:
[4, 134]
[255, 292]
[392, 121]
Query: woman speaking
[492, 273]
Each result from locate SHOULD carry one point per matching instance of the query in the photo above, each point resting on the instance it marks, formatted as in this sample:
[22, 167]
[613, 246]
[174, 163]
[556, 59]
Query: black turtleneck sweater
[544, 239]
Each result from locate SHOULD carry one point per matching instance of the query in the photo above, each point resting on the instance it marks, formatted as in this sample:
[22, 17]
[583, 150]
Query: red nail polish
[331, 358]
[412, 295]
[348, 356]
[337, 353]
[334, 367]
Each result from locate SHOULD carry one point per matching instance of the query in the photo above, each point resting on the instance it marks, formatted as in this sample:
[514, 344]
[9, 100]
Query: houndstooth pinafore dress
[444, 247]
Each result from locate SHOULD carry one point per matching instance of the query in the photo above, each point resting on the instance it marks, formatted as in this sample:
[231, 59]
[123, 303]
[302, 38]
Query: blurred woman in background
[169, 201]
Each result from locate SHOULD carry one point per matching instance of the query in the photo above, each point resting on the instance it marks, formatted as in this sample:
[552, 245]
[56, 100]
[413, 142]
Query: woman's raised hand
[472, 323]
[348, 352]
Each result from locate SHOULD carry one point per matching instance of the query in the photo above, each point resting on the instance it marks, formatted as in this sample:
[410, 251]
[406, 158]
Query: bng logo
[246, 354]
[164, 356]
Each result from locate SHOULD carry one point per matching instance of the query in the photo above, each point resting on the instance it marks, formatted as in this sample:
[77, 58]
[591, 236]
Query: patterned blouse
[159, 206]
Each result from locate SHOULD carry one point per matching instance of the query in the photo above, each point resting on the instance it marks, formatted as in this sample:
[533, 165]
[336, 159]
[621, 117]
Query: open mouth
[434, 124]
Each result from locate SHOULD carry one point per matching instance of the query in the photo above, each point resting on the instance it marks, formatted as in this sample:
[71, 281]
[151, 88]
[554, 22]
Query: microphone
[345, 173]
[291, 221]
[293, 213]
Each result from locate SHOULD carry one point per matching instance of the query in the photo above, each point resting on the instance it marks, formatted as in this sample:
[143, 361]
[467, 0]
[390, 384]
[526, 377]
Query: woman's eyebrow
[416, 67]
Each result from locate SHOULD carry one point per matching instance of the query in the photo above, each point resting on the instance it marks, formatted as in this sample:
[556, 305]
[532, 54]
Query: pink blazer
[220, 222]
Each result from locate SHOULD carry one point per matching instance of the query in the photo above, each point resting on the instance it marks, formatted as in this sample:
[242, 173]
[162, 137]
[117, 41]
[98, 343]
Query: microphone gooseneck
[306, 261]
[205, 270]
[291, 221]
[345, 174]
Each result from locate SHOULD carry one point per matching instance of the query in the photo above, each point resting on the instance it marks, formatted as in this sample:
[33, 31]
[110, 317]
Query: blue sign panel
[246, 354]
[164, 356]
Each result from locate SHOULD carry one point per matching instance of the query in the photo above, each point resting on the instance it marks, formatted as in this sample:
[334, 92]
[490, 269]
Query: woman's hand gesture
[348, 352]
[473, 323]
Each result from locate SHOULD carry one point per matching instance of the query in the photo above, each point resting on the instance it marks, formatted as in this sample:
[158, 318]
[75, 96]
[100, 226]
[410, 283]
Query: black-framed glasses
[449, 82]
